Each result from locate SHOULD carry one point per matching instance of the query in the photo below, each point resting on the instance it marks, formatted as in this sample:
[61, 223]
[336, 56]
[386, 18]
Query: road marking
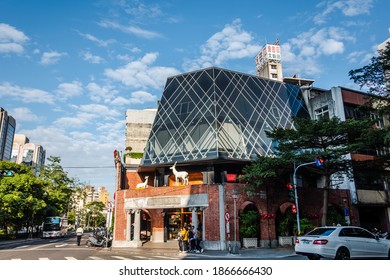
[22, 247]
[39, 247]
[61, 245]
[141, 257]
[95, 258]
[43, 259]
[120, 258]
[70, 258]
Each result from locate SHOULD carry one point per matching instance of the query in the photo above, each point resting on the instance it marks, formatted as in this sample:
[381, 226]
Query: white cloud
[11, 39]
[94, 59]
[84, 150]
[231, 43]
[71, 122]
[68, 90]
[99, 93]
[348, 8]
[24, 94]
[24, 114]
[140, 73]
[82, 135]
[141, 10]
[140, 97]
[360, 57]
[102, 43]
[87, 114]
[303, 53]
[120, 101]
[134, 30]
[99, 110]
[356, 7]
[51, 57]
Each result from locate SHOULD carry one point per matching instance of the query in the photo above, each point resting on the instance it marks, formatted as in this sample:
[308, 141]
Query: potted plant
[132, 157]
[249, 221]
[284, 228]
[287, 228]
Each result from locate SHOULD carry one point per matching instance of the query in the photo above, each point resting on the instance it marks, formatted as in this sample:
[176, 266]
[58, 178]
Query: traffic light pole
[296, 193]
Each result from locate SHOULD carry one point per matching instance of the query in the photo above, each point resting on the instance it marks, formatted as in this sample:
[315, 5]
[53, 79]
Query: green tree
[327, 138]
[22, 197]
[59, 187]
[94, 213]
[376, 75]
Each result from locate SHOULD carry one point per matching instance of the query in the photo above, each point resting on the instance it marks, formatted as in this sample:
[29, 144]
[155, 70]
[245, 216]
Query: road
[67, 249]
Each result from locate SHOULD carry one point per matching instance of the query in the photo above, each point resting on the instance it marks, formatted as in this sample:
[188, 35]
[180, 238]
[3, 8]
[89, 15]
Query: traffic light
[293, 209]
[291, 192]
[6, 173]
[319, 161]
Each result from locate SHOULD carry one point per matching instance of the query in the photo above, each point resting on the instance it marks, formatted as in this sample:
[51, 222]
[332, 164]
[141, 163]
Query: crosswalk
[114, 257]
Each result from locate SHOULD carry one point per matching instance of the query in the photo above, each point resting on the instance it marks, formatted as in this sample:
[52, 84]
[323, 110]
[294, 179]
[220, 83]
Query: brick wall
[268, 201]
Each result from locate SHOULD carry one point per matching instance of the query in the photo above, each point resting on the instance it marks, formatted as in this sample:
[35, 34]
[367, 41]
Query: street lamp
[296, 193]
[235, 247]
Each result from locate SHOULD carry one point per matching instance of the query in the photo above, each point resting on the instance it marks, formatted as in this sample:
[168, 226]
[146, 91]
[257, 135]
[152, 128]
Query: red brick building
[212, 123]
[162, 210]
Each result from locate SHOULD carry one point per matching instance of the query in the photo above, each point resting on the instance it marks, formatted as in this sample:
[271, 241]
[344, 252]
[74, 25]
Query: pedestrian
[191, 237]
[198, 240]
[179, 241]
[79, 234]
[184, 238]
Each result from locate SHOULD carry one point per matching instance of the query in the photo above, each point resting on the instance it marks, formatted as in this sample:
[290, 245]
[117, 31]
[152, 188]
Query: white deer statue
[180, 175]
[143, 185]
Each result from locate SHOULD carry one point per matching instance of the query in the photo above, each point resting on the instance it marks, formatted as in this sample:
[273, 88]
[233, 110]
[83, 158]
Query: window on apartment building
[274, 76]
[355, 112]
[274, 67]
[322, 112]
[364, 180]
[378, 120]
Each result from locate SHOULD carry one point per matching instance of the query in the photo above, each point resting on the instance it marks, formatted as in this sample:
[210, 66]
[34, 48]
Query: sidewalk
[171, 249]
[256, 253]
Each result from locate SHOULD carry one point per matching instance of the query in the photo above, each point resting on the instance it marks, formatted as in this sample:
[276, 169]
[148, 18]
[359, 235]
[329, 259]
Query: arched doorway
[249, 225]
[285, 224]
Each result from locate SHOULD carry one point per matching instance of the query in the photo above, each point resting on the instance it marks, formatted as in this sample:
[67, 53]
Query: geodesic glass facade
[215, 113]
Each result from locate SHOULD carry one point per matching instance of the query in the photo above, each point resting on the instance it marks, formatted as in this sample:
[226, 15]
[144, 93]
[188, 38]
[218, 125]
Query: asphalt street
[59, 249]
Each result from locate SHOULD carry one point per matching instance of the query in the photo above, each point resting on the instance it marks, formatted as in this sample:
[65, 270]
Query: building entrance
[176, 218]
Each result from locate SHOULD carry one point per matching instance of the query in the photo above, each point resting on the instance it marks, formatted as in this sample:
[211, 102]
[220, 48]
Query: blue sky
[69, 70]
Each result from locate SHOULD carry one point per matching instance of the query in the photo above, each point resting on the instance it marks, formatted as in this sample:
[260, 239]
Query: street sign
[346, 211]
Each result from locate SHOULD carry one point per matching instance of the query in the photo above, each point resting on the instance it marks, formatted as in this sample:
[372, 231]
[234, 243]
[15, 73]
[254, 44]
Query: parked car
[341, 243]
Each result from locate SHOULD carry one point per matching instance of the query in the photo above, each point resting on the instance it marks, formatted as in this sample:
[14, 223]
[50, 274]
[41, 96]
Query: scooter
[98, 242]
[381, 234]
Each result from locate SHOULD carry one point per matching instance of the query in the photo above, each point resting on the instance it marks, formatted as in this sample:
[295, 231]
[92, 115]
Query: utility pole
[296, 193]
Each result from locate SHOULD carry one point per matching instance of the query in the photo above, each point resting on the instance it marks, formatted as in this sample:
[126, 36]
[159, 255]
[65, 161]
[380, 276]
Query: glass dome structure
[218, 114]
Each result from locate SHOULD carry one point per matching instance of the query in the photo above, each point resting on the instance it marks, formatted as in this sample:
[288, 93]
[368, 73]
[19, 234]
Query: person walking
[179, 240]
[191, 238]
[198, 239]
[79, 234]
[184, 238]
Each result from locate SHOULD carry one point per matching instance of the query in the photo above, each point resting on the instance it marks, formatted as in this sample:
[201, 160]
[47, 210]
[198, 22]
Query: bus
[54, 227]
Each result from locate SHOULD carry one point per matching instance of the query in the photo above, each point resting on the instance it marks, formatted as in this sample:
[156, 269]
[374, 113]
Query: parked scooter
[381, 234]
[99, 241]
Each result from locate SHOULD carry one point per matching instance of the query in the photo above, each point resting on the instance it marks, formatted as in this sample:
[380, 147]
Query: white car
[341, 243]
